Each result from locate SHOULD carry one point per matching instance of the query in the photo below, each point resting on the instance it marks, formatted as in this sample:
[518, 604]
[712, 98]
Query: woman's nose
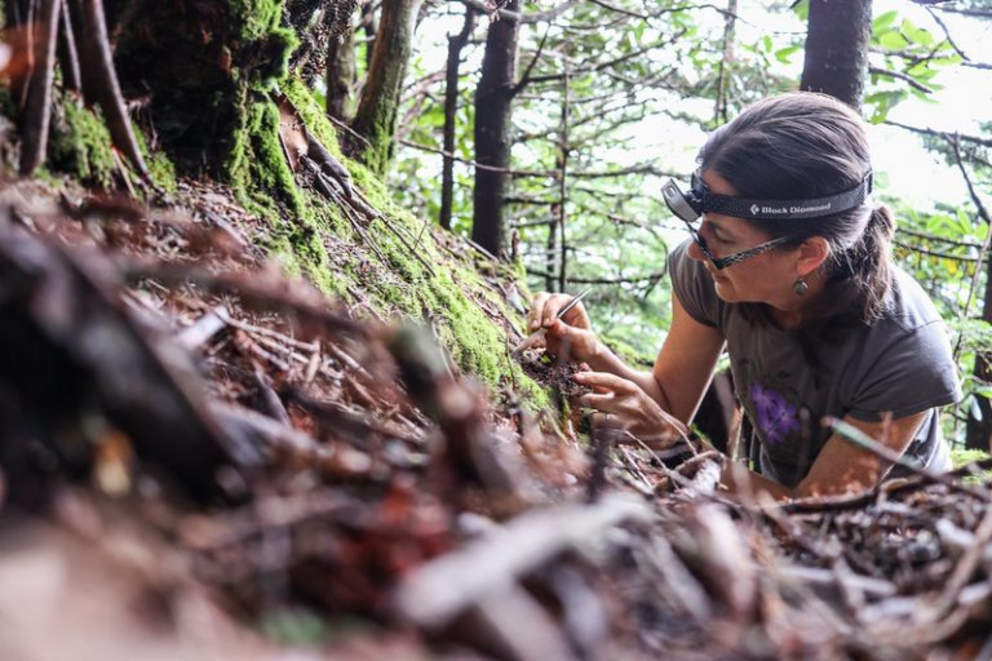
[695, 252]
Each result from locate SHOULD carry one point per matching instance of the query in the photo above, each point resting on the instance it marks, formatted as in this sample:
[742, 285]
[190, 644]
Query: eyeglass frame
[680, 205]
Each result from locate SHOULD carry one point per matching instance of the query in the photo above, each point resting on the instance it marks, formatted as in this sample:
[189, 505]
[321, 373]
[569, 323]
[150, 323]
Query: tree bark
[493, 105]
[978, 431]
[376, 116]
[837, 49]
[340, 75]
[455, 46]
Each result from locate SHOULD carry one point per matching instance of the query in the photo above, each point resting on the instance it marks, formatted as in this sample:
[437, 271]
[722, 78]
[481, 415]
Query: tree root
[36, 112]
[100, 83]
[75, 35]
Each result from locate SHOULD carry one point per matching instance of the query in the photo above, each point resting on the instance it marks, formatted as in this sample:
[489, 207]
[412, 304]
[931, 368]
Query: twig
[275, 298]
[438, 591]
[199, 333]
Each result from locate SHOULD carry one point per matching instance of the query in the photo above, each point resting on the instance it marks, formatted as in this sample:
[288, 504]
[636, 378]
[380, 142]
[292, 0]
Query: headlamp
[690, 205]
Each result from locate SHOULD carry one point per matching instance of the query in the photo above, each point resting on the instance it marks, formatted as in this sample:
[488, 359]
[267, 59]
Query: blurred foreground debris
[202, 458]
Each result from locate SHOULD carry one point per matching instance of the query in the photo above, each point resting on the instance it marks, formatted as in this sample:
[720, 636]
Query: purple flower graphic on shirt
[775, 416]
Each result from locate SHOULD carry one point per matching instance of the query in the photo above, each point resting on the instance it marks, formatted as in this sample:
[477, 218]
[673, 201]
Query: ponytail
[865, 269]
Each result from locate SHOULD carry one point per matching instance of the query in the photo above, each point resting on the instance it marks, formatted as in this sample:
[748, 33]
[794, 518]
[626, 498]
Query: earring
[800, 287]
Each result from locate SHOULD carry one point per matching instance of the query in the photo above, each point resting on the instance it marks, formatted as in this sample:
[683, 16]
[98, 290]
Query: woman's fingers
[551, 308]
[536, 312]
[544, 310]
[601, 402]
[606, 381]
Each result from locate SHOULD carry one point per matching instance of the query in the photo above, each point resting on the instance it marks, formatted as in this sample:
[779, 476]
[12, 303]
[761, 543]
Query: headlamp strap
[755, 209]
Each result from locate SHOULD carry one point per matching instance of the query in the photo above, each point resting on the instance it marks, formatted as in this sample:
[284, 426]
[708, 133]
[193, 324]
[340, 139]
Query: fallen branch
[440, 590]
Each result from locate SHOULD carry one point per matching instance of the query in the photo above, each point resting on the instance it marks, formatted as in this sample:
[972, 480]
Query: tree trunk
[340, 75]
[493, 99]
[837, 49]
[376, 116]
[979, 430]
[455, 46]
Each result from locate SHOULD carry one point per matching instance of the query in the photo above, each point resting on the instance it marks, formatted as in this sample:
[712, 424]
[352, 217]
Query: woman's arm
[645, 403]
[682, 370]
[840, 467]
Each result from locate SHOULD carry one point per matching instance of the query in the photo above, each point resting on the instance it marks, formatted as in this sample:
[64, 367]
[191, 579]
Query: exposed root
[37, 110]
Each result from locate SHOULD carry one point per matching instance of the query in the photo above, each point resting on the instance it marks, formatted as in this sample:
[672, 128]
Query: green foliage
[907, 62]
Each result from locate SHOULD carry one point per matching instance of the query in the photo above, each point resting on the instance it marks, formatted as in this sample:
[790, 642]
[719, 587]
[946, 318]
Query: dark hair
[800, 146]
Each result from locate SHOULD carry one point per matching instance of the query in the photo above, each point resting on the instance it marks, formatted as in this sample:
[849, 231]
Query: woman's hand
[622, 405]
[572, 334]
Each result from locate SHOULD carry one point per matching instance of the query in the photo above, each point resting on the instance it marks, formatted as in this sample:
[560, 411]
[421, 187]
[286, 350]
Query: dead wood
[62, 309]
[439, 591]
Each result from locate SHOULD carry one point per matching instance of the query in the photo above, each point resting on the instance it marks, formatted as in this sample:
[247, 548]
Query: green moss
[312, 238]
[312, 115]
[79, 143]
[256, 167]
[265, 46]
[160, 168]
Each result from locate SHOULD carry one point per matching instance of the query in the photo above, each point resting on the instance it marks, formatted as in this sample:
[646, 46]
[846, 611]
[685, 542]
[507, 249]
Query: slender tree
[837, 49]
[493, 105]
[341, 72]
[455, 45]
[376, 116]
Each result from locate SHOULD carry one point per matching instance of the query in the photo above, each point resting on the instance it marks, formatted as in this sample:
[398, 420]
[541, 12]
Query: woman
[790, 271]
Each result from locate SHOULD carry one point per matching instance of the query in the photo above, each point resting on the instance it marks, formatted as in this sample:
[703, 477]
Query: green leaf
[784, 55]
[915, 34]
[892, 40]
[884, 21]
[801, 9]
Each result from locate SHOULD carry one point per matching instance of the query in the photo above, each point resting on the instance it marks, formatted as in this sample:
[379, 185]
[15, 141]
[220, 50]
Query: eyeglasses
[688, 208]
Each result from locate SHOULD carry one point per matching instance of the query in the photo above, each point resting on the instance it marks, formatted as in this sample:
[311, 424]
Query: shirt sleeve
[694, 287]
[913, 372]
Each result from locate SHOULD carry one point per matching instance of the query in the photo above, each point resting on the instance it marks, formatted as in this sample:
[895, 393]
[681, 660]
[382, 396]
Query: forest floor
[205, 458]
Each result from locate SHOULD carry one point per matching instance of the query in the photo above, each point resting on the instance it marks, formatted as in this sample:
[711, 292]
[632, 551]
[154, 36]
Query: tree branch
[984, 142]
[435, 150]
[525, 79]
[878, 71]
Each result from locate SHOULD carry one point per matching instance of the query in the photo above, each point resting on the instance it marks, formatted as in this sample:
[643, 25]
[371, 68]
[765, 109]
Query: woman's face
[765, 278]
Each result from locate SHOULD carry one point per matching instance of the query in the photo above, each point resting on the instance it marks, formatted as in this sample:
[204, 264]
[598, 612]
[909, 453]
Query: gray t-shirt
[901, 364]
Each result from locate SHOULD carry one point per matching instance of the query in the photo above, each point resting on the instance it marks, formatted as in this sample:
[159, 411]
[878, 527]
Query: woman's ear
[812, 253]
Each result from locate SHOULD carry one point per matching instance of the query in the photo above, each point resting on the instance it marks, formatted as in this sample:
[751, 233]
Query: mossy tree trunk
[837, 49]
[493, 105]
[375, 120]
